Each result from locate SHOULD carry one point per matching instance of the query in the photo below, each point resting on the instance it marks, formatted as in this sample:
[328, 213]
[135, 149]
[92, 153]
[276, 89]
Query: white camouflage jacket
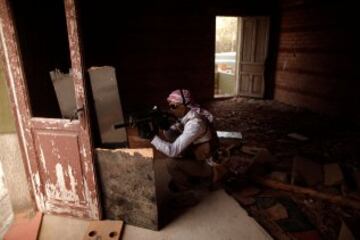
[193, 129]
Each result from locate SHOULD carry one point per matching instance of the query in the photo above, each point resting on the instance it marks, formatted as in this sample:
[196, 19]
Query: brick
[277, 212]
[332, 174]
[279, 176]
[311, 172]
[105, 230]
[26, 226]
[308, 235]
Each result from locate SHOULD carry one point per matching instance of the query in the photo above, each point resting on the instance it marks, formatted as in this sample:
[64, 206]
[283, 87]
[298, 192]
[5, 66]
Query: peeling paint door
[58, 152]
[253, 45]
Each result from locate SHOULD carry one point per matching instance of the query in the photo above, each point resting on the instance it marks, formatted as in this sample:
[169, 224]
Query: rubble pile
[296, 172]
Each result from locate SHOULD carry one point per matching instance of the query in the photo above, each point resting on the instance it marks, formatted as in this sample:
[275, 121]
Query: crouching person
[190, 143]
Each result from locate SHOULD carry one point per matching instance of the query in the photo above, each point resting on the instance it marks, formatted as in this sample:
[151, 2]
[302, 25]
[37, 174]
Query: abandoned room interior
[83, 84]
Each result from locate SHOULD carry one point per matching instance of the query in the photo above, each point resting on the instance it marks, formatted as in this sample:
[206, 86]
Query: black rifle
[148, 121]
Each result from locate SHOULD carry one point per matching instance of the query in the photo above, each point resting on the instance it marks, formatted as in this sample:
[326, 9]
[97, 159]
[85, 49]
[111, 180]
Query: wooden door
[253, 45]
[57, 152]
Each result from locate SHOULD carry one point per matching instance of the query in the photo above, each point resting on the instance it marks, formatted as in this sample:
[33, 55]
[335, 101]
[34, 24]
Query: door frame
[15, 77]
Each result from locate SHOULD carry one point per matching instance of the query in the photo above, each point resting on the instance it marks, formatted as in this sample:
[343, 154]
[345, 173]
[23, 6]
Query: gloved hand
[147, 131]
[161, 119]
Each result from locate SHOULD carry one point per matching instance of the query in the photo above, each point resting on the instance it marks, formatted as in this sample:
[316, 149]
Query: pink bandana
[177, 97]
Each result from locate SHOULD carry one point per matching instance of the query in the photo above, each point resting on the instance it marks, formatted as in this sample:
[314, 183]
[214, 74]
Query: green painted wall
[226, 83]
[7, 123]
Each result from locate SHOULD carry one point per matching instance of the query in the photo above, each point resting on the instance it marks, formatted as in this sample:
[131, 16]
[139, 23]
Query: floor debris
[277, 212]
[298, 136]
[252, 150]
[345, 233]
[225, 134]
[299, 144]
[279, 176]
[311, 172]
[332, 174]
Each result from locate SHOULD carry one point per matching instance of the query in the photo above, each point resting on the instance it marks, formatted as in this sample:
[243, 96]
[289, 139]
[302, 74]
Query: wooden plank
[65, 92]
[336, 199]
[104, 230]
[107, 104]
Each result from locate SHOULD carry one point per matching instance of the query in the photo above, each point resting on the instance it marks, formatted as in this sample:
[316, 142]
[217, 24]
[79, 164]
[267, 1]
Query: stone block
[127, 180]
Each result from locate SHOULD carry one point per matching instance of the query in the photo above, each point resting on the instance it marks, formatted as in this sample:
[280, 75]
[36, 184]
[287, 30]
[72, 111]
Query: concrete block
[128, 185]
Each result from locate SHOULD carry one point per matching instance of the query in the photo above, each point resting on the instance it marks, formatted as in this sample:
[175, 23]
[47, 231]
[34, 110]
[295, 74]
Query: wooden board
[104, 230]
[107, 104]
[65, 92]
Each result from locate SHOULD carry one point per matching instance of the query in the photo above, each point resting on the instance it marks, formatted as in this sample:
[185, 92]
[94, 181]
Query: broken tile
[252, 150]
[249, 191]
[25, 226]
[345, 233]
[332, 174]
[297, 220]
[265, 202]
[105, 230]
[277, 212]
[240, 164]
[298, 136]
[307, 235]
[245, 201]
[264, 156]
[245, 196]
[279, 176]
[311, 172]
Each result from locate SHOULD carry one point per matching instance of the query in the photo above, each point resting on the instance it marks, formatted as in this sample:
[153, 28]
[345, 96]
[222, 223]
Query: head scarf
[180, 96]
[183, 96]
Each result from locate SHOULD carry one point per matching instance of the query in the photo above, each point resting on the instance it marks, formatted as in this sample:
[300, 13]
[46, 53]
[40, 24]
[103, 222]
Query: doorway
[240, 55]
[225, 56]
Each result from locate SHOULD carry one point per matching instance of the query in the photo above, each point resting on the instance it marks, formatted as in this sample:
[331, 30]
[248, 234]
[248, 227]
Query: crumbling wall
[6, 215]
[14, 172]
[10, 156]
[316, 65]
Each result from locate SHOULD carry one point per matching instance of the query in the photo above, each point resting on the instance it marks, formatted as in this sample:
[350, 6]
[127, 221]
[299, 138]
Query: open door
[57, 151]
[252, 53]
